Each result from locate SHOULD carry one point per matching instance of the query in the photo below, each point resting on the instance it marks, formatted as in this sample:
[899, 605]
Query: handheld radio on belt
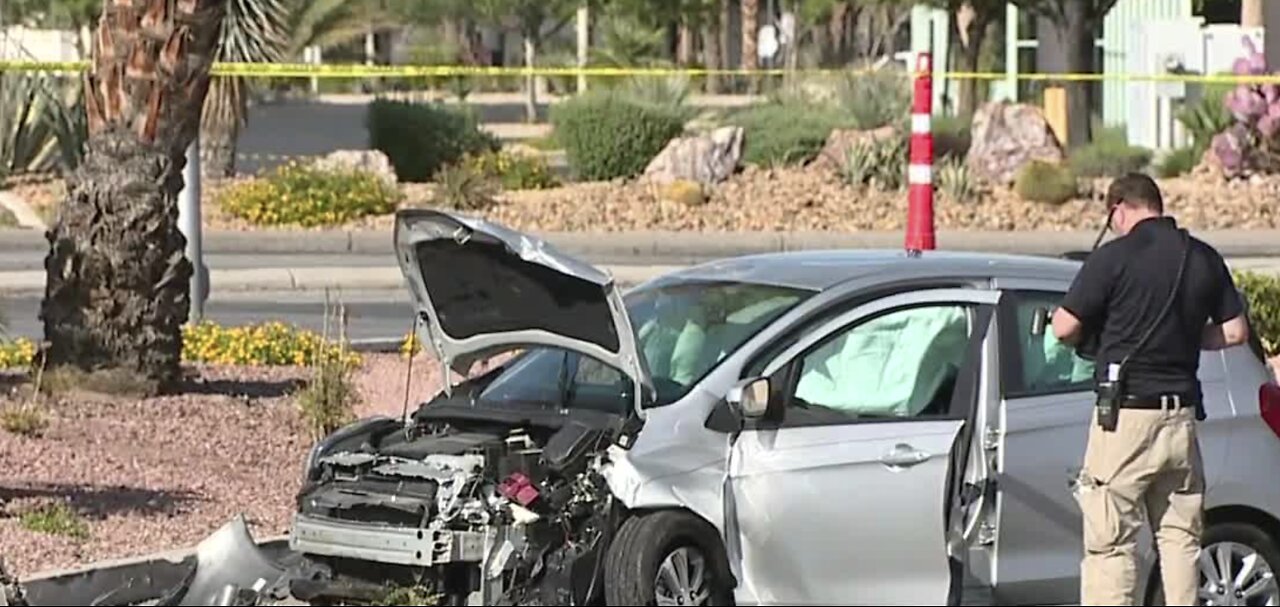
[1112, 389]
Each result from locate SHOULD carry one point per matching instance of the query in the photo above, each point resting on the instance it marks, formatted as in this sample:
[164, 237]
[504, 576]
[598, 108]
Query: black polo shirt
[1121, 290]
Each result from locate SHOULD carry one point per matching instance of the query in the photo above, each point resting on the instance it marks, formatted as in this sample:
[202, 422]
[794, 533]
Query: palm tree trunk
[116, 294]
[1251, 13]
[972, 27]
[713, 54]
[530, 81]
[750, 25]
[684, 47]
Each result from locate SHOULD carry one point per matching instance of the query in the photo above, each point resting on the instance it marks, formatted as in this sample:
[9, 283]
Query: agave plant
[41, 126]
[253, 31]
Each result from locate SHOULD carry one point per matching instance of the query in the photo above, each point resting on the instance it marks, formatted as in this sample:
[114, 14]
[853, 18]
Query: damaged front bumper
[385, 544]
[490, 551]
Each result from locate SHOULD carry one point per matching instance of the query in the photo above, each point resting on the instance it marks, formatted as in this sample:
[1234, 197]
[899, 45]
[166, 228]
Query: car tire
[1244, 536]
[634, 568]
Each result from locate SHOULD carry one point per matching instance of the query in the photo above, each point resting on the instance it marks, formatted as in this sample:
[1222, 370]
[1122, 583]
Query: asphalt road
[379, 314]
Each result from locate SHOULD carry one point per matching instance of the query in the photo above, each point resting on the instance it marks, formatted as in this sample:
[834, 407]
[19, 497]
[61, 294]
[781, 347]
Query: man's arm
[1086, 301]
[1066, 327]
[1228, 334]
[1227, 326]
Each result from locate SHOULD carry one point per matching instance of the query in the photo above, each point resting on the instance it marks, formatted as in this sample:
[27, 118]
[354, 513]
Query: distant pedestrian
[1150, 300]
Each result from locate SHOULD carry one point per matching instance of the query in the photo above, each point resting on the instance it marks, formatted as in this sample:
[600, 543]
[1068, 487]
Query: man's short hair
[1136, 190]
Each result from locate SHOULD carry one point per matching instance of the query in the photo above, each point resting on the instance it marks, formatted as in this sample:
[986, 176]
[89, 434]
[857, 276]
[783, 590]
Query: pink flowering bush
[1251, 144]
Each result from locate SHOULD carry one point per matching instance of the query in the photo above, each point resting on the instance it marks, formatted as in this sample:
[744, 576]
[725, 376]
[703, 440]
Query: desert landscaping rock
[373, 161]
[1007, 136]
[707, 159]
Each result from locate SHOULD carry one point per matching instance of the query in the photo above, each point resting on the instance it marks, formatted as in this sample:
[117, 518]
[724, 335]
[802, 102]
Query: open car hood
[480, 288]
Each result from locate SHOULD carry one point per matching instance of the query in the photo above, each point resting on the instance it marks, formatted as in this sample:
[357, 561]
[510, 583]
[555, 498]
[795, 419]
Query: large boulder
[1006, 137]
[373, 161]
[835, 152]
[705, 159]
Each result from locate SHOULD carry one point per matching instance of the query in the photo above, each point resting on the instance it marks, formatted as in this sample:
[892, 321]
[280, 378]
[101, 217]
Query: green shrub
[606, 135]
[465, 188]
[1179, 161]
[421, 138]
[952, 136]
[787, 133]
[876, 98]
[7, 218]
[1262, 292]
[1041, 181]
[513, 171]
[1109, 155]
[955, 181]
[881, 163]
[301, 194]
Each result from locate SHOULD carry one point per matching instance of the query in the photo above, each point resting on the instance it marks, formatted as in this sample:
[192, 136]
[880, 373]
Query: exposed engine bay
[478, 506]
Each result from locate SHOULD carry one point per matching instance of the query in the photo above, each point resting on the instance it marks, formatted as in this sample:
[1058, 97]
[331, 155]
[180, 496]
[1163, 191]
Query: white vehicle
[808, 428]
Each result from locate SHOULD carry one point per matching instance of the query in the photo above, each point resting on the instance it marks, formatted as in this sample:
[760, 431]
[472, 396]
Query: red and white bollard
[920, 234]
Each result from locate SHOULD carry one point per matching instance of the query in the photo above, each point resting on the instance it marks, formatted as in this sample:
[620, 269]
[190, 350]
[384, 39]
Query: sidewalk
[685, 247]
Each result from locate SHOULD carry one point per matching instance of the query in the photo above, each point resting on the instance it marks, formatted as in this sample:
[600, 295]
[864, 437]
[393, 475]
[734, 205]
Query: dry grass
[26, 419]
[54, 517]
[68, 380]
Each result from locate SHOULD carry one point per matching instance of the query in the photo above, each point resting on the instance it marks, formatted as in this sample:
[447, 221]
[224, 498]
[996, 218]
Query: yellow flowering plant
[305, 195]
[513, 171]
[268, 343]
[17, 353]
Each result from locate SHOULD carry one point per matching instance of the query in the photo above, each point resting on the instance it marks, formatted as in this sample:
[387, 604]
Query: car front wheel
[667, 558]
[1238, 566]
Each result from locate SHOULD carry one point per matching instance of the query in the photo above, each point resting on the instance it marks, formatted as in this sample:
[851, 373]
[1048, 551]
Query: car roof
[819, 270]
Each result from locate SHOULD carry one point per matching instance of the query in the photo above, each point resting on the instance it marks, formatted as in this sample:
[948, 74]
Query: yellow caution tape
[307, 70]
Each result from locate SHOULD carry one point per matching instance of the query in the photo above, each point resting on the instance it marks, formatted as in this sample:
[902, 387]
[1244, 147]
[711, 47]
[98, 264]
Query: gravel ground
[164, 473]
[770, 200]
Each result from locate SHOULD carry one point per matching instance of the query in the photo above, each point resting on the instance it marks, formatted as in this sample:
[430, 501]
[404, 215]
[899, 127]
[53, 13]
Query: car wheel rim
[682, 579]
[1235, 574]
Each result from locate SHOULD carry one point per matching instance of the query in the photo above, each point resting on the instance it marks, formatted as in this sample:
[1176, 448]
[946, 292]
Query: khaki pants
[1148, 470]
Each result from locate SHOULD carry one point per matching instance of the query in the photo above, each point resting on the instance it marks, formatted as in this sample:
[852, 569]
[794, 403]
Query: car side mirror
[1041, 318]
[749, 398]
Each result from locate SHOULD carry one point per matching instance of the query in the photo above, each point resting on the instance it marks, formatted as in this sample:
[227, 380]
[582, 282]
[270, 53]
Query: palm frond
[253, 31]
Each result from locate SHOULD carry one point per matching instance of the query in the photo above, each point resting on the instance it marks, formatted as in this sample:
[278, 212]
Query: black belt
[1172, 402]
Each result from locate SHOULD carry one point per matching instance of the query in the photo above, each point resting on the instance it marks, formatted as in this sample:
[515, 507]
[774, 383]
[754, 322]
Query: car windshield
[682, 330]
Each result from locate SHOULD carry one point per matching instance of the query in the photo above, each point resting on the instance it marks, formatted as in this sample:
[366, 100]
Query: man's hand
[1066, 327]
[1231, 333]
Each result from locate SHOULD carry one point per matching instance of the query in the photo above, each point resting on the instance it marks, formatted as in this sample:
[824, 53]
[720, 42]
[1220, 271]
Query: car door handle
[904, 456]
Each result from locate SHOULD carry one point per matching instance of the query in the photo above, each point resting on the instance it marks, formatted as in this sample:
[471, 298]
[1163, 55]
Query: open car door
[864, 481]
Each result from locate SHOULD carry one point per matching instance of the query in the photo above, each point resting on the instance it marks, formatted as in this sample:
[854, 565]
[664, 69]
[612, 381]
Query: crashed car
[834, 427]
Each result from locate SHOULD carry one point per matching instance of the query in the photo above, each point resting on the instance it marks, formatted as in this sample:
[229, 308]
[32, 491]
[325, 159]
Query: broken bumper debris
[227, 568]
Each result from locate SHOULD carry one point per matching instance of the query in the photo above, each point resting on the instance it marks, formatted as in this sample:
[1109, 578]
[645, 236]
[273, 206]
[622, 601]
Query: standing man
[1152, 299]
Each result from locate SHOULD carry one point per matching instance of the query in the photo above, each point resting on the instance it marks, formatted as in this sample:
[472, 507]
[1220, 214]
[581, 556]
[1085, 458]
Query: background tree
[972, 19]
[1066, 45]
[253, 31]
[750, 29]
[116, 294]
